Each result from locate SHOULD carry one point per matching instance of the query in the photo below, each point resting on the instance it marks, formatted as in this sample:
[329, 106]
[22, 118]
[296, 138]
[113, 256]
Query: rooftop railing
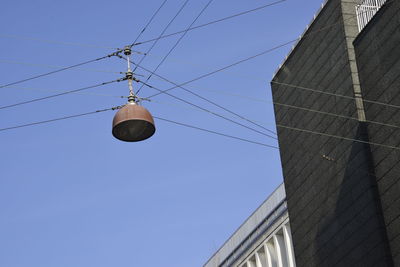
[366, 10]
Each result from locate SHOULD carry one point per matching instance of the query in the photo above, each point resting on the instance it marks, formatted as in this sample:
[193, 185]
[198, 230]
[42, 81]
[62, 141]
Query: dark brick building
[337, 105]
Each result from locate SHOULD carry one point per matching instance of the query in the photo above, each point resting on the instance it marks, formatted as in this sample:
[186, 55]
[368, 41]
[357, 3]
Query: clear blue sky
[72, 195]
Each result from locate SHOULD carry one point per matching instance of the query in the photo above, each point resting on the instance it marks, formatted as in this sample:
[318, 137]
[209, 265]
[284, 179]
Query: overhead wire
[336, 136]
[211, 112]
[46, 40]
[171, 104]
[201, 66]
[217, 70]
[149, 22]
[42, 40]
[312, 110]
[162, 32]
[214, 21]
[179, 11]
[224, 68]
[58, 70]
[59, 94]
[336, 115]
[55, 66]
[57, 90]
[119, 50]
[317, 111]
[83, 63]
[284, 126]
[336, 95]
[219, 91]
[159, 118]
[214, 132]
[308, 89]
[308, 109]
[257, 55]
[57, 119]
[202, 75]
[197, 95]
[251, 57]
[234, 64]
[175, 45]
[297, 107]
[301, 88]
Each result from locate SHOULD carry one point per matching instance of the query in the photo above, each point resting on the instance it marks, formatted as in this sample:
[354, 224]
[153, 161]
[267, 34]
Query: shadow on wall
[353, 234]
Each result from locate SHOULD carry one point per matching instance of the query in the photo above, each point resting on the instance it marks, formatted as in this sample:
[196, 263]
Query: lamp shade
[133, 123]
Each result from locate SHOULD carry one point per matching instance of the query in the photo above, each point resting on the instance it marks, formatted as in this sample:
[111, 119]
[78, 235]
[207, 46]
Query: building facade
[337, 103]
[337, 110]
[263, 240]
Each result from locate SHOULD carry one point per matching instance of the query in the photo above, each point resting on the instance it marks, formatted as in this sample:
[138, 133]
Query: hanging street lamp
[132, 123]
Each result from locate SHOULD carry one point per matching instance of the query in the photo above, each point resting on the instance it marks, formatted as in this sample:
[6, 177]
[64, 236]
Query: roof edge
[300, 38]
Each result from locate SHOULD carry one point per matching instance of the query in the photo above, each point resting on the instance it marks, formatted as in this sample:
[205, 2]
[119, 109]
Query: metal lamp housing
[133, 123]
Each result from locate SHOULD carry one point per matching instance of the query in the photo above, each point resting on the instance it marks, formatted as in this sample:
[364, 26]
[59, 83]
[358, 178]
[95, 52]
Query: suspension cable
[149, 22]
[59, 70]
[212, 22]
[197, 95]
[60, 94]
[162, 32]
[176, 44]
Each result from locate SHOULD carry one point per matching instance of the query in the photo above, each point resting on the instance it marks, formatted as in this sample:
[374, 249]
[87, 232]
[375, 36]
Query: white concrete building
[263, 240]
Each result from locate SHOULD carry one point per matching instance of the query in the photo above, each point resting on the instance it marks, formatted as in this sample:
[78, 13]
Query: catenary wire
[217, 70]
[337, 95]
[215, 21]
[149, 22]
[57, 90]
[57, 119]
[302, 88]
[295, 107]
[80, 64]
[257, 55]
[199, 96]
[159, 118]
[214, 132]
[306, 109]
[230, 17]
[282, 126]
[236, 95]
[119, 50]
[162, 32]
[257, 100]
[59, 94]
[85, 88]
[83, 44]
[115, 54]
[176, 44]
[54, 41]
[58, 70]
[211, 112]
[254, 56]
[147, 41]
[241, 61]
[336, 136]
[54, 66]
[291, 41]
[218, 91]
